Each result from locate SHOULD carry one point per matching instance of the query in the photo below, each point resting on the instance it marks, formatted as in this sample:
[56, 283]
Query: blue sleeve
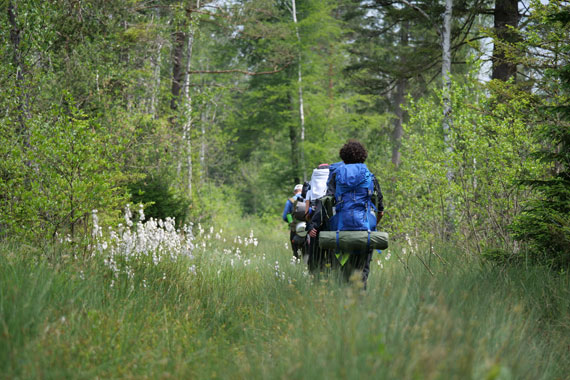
[287, 210]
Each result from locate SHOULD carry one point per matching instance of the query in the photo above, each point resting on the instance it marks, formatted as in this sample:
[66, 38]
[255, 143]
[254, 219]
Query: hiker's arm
[287, 210]
[316, 220]
[379, 199]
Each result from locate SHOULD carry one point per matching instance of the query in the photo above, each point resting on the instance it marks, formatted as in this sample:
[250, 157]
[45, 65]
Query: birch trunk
[187, 128]
[447, 120]
[300, 83]
[203, 121]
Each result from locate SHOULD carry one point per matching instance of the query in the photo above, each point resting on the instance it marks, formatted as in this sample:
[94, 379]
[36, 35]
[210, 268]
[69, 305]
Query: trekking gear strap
[337, 242]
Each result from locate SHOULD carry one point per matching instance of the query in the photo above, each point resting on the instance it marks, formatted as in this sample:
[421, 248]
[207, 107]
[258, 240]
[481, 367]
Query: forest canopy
[200, 109]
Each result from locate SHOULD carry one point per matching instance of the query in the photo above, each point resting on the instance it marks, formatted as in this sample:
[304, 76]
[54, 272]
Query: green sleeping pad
[353, 240]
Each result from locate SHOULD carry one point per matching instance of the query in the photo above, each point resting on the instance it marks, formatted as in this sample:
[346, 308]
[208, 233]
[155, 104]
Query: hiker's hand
[313, 233]
[380, 215]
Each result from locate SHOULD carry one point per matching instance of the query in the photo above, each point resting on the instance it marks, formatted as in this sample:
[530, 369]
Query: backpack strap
[337, 242]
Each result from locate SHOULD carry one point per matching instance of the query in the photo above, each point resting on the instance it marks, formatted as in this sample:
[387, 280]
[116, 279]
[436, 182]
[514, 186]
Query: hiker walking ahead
[318, 259]
[294, 214]
[358, 205]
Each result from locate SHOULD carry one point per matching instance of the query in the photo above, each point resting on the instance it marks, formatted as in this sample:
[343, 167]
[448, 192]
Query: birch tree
[293, 10]
[187, 128]
[447, 121]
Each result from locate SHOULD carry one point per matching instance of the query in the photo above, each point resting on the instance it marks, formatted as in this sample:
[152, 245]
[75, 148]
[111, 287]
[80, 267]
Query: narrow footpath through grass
[239, 308]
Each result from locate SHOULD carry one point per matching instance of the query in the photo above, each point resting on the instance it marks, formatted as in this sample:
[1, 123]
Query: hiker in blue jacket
[358, 205]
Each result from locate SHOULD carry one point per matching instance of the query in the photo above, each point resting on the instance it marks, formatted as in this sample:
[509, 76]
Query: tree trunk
[330, 87]
[401, 85]
[180, 40]
[203, 120]
[187, 128]
[447, 120]
[398, 131]
[506, 15]
[155, 64]
[446, 69]
[22, 104]
[293, 136]
[300, 83]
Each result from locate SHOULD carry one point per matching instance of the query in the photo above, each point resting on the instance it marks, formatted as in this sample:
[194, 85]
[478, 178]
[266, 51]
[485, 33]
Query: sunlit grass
[232, 310]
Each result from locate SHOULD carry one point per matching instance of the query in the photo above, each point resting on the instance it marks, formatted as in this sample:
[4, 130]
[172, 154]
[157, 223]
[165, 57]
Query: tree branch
[277, 70]
[202, 12]
[423, 13]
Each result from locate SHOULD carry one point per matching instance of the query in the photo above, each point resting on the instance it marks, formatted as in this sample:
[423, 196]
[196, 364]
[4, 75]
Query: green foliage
[490, 145]
[544, 226]
[160, 199]
[69, 169]
[240, 150]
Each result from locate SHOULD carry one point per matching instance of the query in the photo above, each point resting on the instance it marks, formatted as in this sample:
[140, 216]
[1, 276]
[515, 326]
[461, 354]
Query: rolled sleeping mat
[353, 240]
[300, 229]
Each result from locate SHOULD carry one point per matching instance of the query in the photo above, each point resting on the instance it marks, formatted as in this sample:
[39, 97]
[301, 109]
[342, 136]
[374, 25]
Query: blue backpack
[354, 210]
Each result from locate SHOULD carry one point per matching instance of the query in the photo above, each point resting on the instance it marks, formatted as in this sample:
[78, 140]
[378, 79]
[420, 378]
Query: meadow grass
[240, 311]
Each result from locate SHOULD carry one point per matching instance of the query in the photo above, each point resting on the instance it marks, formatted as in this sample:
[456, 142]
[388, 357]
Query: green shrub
[160, 197]
[51, 184]
[544, 225]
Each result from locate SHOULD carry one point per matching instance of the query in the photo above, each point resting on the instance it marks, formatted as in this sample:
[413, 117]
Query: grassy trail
[240, 310]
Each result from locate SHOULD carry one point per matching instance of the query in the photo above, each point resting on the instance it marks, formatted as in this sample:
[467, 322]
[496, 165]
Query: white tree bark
[447, 108]
[446, 69]
[187, 127]
[203, 121]
[445, 34]
[300, 83]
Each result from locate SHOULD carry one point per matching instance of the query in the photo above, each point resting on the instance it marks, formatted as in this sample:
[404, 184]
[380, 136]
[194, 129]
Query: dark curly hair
[353, 152]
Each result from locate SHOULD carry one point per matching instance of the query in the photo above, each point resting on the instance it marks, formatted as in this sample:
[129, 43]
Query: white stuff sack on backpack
[318, 184]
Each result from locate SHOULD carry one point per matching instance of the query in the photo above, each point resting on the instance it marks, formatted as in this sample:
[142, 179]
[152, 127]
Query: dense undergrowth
[240, 308]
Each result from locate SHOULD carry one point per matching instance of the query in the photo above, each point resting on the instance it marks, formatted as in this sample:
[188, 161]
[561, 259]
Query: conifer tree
[544, 225]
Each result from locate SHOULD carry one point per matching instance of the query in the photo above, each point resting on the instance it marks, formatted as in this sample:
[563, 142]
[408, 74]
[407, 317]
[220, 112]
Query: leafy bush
[160, 198]
[490, 142]
[67, 168]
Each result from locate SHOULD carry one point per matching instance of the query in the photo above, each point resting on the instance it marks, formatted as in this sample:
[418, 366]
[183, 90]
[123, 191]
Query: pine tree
[544, 226]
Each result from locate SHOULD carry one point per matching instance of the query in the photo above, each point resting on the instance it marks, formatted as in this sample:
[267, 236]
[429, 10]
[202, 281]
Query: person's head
[298, 188]
[353, 152]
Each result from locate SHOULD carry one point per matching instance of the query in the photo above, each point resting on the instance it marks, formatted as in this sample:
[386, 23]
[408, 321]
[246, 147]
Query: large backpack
[299, 209]
[354, 209]
[299, 214]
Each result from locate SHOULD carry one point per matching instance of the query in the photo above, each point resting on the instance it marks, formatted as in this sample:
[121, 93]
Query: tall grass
[251, 313]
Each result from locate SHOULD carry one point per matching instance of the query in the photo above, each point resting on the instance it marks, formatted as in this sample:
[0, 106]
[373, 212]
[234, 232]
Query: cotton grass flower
[152, 241]
[155, 241]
